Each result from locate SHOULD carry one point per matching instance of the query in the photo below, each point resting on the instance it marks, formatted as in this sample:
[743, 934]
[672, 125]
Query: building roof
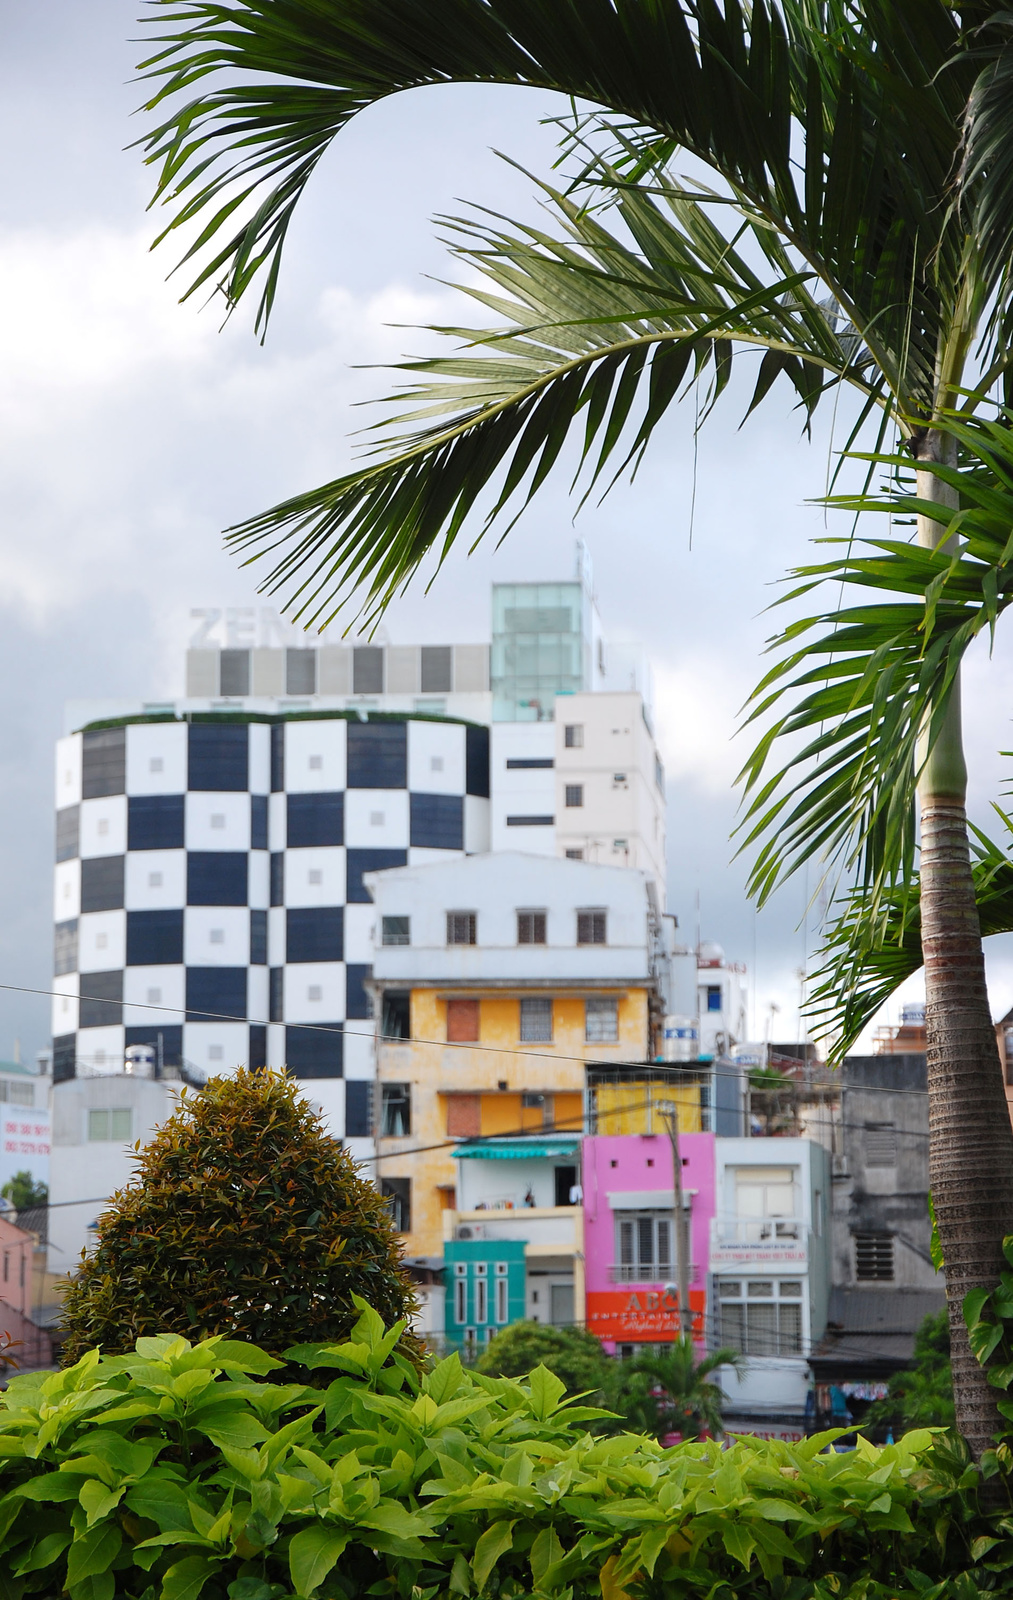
[871, 1332]
[16, 1069]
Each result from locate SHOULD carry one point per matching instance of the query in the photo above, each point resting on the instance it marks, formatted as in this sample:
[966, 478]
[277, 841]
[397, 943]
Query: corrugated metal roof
[518, 1149]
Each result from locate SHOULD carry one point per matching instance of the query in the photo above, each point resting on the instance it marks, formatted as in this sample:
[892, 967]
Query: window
[315, 819]
[460, 1292]
[359, 861]
[258, 1046]
[761, 1318]
[395, 1110]
[436, 763]
[476, 761]
[575, 855]
[713, 997]
[314, 933]
[258, 822]
[367, 669]
[519, 763]
[316, 763]
[216, 1052]
[573, 736]
[531, 927]
[592, 927]
[643, 1247]
[536, 1020]
[436, 668]
[101, 1003]
[502, 1288]
[314, 1052]
[276, 994]
[880, 1144]
[156, 764]
[216, 877]
[218, 820]
[874, 1257]
[314, 992]
[377, 755]
[300, 672]
[154, 997]
[377, 819]
[315, 876]
[103, 763]
[277, 878]
[213, 993]
[258, 938]
[358, 1004]
[110, 1125]
[766, 1194]
[218, 756]
[396, 930]
[481, 1292]
[601, 1021]
[217, 936]
[102, 883]
[358, 1109]
[531, 820]
[574, 794]
[462, 927]
[235, 672]
[67, 832]
[437, 821]
[154, 938]
[620, 780]
[396, 1019]
[398, 1194]
[65, 953]
[462, 1021]
[155, 880]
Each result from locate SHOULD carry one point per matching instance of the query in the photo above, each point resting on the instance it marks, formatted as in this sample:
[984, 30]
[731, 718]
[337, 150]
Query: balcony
[648, 1272]
[758, 1241]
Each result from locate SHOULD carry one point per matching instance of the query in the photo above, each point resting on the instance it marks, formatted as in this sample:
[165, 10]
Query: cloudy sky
[132, 429]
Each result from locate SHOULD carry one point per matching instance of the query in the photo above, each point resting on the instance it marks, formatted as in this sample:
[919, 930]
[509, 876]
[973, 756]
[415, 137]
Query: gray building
[884, 1283]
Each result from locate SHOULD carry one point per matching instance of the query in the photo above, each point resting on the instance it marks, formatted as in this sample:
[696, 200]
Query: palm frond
[860, 972]
[984, 187]
[596, 333]
[855, 686]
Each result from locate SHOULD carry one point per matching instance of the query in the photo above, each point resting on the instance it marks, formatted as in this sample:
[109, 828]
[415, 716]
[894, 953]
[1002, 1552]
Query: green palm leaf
[593, 331]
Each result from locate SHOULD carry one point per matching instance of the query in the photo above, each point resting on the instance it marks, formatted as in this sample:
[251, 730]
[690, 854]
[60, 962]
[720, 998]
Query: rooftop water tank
[680, 1038]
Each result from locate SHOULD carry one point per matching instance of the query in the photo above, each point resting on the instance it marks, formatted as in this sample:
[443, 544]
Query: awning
[518, 1149]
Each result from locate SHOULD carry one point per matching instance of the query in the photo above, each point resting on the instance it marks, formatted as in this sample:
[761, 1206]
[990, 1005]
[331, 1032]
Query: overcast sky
[132, 430]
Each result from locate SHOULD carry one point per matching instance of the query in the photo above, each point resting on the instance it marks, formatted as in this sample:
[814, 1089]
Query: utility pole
[670, 1111]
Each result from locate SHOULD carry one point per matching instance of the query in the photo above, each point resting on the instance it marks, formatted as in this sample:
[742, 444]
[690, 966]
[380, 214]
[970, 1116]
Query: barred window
[762, 1317]
[643, 1247]
[531, 927]
[462, 927]
[536, 1020]
[574, 794]
[601, 1021]
[592, 927]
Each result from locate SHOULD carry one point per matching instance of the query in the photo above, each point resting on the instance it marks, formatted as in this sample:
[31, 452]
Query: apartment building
[496, 979]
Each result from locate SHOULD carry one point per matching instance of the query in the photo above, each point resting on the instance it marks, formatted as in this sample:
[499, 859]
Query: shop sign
[636, 1314]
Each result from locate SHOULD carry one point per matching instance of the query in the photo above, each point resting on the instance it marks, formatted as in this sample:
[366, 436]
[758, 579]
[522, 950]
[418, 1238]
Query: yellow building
[496, 980]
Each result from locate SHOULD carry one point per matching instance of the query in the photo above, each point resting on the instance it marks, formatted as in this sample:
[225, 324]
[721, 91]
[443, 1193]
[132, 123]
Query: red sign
[641, 1313]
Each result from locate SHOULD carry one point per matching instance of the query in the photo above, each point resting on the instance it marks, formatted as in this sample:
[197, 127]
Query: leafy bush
[574, 1355]
[244, 1219]
[923, 1395]
[173, 1474]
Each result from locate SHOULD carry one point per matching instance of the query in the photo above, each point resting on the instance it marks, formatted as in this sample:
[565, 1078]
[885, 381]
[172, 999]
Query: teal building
[485, 1287]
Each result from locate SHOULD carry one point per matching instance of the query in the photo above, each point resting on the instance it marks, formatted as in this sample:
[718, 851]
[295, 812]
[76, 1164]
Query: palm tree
[672, 1393]
[849, 236]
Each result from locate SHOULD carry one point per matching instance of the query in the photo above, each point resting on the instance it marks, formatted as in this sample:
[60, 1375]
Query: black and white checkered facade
[209, 897]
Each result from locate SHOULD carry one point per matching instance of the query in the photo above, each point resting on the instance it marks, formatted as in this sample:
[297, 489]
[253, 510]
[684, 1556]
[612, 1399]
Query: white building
[770, 1270]
[96, 1120]
[24, 1123]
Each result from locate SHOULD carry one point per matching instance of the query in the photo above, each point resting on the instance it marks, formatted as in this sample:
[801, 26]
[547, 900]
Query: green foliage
[672, 1393]
[173, 1472]
[574, 1355]
[23, 1192]
[922, 1397]
[244, 1219]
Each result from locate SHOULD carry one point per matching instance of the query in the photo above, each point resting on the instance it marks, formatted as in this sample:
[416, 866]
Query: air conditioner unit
[469, 1230]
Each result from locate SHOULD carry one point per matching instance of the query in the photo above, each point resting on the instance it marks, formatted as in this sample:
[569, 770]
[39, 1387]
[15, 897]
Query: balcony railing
[647, 1272]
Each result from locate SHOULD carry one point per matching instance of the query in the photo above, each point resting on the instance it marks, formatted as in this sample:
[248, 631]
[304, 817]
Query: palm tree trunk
[971, 1140]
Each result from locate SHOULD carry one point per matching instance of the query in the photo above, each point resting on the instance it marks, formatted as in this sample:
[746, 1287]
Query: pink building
[629, 1235]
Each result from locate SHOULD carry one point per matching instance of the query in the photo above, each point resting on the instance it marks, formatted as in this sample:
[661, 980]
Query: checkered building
[209, 897]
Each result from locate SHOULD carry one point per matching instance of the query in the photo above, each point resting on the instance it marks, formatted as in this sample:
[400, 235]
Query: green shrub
[244, 1219]
[173, 1474]
[573, 1354]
